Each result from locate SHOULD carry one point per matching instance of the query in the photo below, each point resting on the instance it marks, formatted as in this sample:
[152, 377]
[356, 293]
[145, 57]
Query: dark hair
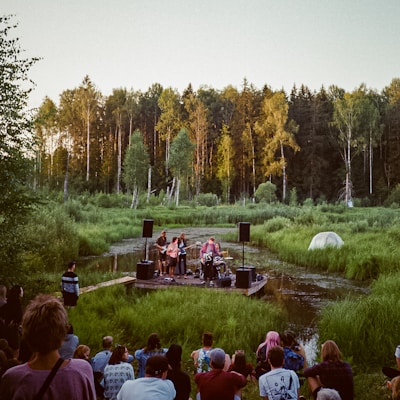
[13, 295]
[156, 365]
[117, 355]
[239, 365]
[207, 339]
[153, 343]
[276, 356]
[174, 355]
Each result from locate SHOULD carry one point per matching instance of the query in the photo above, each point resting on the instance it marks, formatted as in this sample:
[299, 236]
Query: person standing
[278, 383]
[182, 255]
[70, 286]
[161, 244]
[44, 327]
[207, 253]
[172, 253]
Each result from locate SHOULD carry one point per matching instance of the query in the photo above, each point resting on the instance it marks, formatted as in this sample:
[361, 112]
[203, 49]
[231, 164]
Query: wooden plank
[126, 280]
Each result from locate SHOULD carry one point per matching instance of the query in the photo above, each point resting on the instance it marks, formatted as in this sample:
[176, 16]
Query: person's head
[207, 339]
[328, 394]
[182, 236]
[107, 342]
[44, 324]
[217, 246]
[395, 386]
[174, 355]
[153, 342]
[240, 359]
[163, 233]
[217, 358]
[15, 294]
[174, 239]
[330, 352]
[120, 354]
[71, 265]
[276, 356]
[3, 291]
[211, 240]
[82, 351]
[287, 338]
[70, 330]
[157, 367]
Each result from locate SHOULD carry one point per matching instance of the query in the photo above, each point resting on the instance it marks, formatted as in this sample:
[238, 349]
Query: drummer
[207, 253]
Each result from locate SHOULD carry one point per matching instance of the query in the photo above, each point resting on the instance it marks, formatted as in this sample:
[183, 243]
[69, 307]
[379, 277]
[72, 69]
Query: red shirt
[218, 384]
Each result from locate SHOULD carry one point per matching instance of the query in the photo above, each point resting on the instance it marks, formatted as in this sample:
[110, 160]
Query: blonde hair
[44, 324]
[80, 351]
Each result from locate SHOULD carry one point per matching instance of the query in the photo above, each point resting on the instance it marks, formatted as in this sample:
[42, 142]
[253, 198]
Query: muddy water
[298, 290]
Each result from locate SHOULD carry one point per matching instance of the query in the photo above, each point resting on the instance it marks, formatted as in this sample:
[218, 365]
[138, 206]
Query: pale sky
[214, 43]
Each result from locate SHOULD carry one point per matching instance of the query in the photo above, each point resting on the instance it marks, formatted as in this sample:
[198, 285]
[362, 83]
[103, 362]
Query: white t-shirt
[397, 352]
[147, 388]
[279, 384]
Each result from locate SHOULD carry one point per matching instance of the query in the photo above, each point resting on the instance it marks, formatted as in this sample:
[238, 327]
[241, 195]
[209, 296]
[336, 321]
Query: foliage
[15, 141]
[207, 199]
[266, 192]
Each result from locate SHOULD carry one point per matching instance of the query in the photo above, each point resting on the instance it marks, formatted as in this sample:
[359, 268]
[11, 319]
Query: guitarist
[161, 244]
[182, 255]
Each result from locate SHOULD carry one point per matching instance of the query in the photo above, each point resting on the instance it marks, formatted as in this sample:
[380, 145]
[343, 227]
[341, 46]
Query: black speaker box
[226, 281]
[147, 228]
[244, 231]
[145, 270]
[243, 278]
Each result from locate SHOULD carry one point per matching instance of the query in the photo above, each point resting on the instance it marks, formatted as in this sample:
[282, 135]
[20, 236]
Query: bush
[207, 199]
[277, 223]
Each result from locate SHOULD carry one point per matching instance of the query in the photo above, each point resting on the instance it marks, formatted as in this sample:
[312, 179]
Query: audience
[278, 383]
[82, 352]
[44, 327]
[240, 365]
[201, 357]
[117, 372]
[152, 348]
[69, 344]
[295, 356]
[153, 385]
[332, 373]
[272, 339]
[179, 378]
[217, 383]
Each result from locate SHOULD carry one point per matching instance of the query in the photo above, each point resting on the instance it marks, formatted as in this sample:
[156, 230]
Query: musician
[207, 252]
[182, 255]
[172, 252]
[161, 244]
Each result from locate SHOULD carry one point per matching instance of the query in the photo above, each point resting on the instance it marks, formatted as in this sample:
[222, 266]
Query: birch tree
[136, 166]
[278, 133]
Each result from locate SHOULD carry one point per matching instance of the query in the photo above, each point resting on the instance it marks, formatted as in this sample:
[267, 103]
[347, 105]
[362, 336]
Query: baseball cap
[217, 356]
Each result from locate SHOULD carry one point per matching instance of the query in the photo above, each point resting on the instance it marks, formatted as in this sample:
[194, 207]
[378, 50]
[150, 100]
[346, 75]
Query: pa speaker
[243, 278]
[244, 231]
[147, 228]
[145, 270]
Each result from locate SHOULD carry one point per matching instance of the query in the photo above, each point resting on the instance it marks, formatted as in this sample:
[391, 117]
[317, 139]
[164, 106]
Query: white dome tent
[325, 239]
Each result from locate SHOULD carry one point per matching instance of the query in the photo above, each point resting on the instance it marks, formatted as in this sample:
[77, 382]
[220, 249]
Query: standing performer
[207, 253]
[70, 286]
[161, 244]
[182, 255]
[172, 252]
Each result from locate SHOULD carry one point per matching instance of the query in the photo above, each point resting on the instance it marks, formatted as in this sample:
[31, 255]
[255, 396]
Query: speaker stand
[145, 250]
[243, 256]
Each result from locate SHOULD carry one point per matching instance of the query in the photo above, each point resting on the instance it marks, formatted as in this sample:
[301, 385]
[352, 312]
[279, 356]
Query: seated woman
[295, 358]
[240, 365]
[272, 339]
[117, 372]
[332, 373]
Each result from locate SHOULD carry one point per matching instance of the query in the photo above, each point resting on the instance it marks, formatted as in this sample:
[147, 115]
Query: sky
[213, 43]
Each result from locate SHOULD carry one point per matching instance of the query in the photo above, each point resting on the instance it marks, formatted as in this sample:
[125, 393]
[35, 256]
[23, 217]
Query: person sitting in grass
[152, 348]
[332, 373]
[154, 384]
[393, 372]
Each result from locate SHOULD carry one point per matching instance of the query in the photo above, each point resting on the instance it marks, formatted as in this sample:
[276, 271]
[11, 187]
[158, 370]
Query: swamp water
[300, 291]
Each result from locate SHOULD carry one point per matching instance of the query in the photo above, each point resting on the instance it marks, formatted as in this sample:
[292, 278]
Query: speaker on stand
[243, 276]
[146, 233]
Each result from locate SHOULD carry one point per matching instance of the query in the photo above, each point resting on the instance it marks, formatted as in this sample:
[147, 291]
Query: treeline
[326, 145]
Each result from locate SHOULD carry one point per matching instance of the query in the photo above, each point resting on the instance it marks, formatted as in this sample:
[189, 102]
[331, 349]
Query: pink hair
[271, 340]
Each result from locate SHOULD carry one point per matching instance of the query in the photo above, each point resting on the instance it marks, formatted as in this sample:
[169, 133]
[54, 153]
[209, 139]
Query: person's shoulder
[79, 365]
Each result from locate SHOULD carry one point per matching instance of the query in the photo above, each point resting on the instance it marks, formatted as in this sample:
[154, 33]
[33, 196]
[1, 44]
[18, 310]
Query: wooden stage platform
[163, 282]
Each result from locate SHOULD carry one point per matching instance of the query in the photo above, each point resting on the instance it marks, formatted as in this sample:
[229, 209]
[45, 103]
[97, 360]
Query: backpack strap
[49, 378]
